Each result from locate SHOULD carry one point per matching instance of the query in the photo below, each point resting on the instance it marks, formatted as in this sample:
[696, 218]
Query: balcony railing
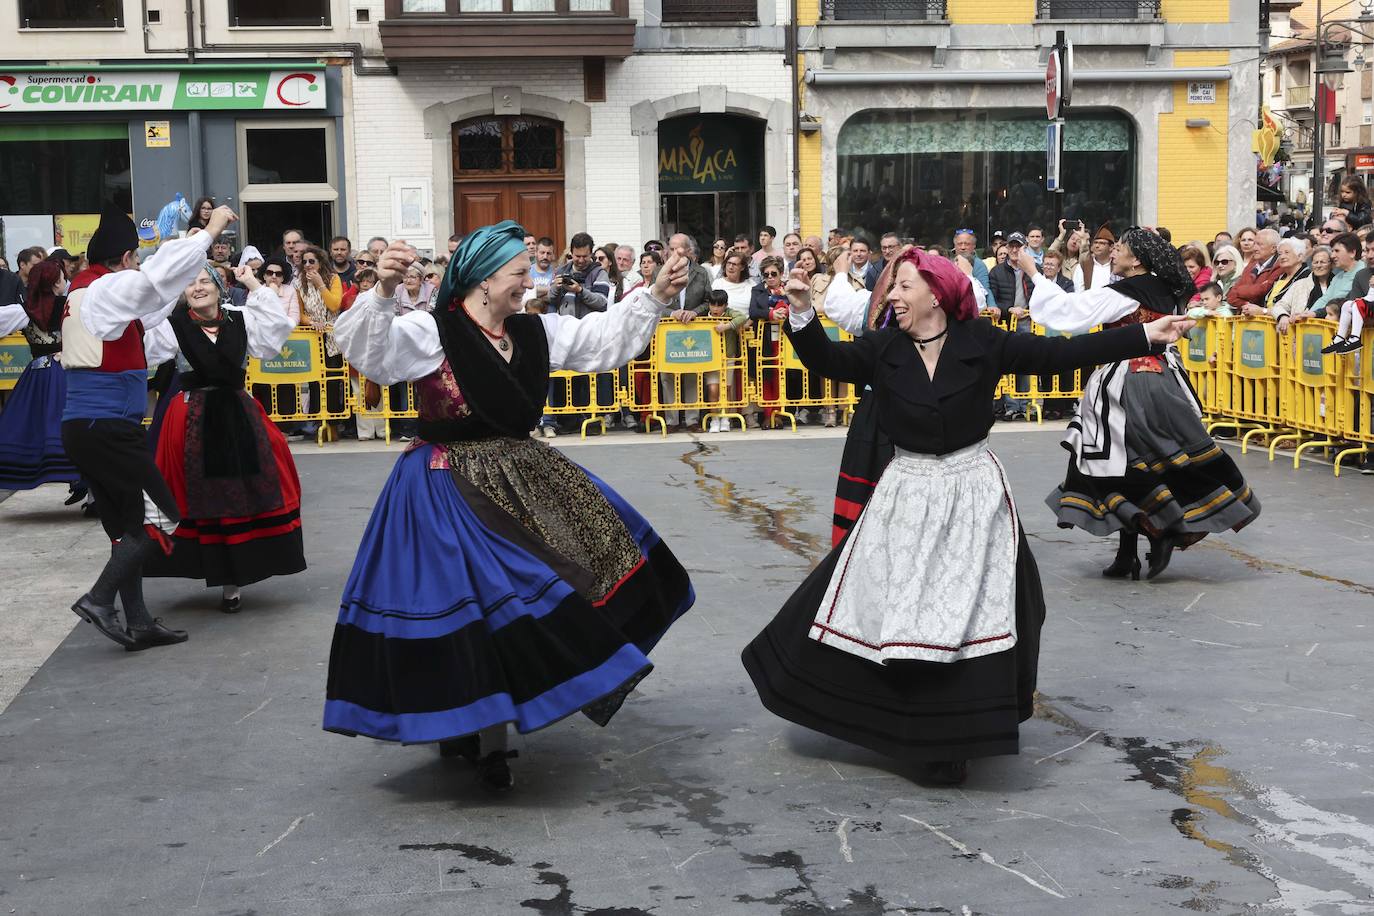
[1297, 97]
[1097, 9]
[710, 11]
[405, 9]
[875, 10]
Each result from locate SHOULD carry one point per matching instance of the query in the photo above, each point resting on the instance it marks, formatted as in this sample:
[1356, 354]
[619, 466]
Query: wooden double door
[509, 167]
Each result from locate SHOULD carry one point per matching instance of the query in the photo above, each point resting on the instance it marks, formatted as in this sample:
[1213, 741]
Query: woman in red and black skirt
[228, 467]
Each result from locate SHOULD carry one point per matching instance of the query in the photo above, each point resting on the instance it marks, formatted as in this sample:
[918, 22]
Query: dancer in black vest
[229, 469]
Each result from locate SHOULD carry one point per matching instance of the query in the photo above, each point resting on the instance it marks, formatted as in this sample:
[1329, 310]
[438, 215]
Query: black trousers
[115, 459]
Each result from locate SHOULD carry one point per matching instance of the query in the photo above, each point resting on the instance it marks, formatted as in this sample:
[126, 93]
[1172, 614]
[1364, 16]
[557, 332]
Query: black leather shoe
[1161, 551]
[943, 773]
[105, 618]
[231, 605]
[494, 773]
[75, 496]
[154, 635]
[1122, 568]
[465, 747]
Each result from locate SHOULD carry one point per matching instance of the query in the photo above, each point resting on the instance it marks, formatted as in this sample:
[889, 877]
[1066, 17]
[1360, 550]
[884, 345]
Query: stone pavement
[1203, 744]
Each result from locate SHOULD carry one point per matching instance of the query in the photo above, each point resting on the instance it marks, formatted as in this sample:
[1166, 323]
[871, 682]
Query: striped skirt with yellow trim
[1177, 479]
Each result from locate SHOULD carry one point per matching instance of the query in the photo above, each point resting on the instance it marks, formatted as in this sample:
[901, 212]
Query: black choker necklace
[922, 341]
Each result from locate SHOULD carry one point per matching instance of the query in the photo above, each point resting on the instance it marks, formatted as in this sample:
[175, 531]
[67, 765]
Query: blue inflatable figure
[177, 213]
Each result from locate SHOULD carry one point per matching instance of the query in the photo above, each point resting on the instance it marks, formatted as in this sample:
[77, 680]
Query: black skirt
[909, 710]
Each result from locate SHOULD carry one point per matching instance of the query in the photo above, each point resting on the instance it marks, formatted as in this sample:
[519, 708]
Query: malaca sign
[37, 91]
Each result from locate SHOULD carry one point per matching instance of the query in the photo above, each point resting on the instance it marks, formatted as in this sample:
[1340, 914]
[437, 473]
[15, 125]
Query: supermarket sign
[40, 91]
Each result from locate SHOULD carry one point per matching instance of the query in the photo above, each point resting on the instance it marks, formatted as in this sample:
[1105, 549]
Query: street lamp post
[1330, 73]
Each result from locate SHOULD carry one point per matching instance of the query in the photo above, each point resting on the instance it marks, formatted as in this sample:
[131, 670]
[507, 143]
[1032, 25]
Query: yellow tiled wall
[1196, 10]
[985, 12]
[1193, 160]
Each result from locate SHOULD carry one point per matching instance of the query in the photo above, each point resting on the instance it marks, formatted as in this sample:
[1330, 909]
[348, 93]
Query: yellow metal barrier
[396, 402]
[814, 391]
[1200, 357]
[686, 360]
[1250, 390]
[1309, 389]
[14, 359]
[1357, 402]
[596, 394]
[299, 371]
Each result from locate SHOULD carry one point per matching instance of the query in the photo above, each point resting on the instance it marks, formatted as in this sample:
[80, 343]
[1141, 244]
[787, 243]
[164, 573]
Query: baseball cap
[998, 234]
[1016, 238]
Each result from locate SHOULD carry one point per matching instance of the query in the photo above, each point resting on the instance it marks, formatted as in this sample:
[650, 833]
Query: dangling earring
[486, 300]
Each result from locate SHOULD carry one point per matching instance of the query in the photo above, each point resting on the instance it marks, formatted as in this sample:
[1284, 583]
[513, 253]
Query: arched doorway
[509, 167]
[711, 177]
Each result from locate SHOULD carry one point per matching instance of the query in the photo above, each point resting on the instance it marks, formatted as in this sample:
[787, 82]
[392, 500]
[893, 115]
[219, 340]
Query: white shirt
[13, 318]
[388, 348]
[738, 292]
[1073, 313]
[1102, 275]
[268, 327]
[148, 294]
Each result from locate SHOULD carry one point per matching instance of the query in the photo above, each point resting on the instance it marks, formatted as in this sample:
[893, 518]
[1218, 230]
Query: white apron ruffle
[929, 572]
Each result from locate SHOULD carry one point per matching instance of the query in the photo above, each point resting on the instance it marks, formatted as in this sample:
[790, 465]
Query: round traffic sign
[1053, 85]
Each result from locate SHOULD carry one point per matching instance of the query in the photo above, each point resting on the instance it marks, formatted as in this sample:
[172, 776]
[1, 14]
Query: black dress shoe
[75, 496]
[154, 635]
[494, 773]
[105, 618]
[1161, 551]
[943, 773]
[1122, 568]
[231, 605]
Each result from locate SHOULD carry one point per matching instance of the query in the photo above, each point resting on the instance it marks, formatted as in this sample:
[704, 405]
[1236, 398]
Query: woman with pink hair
[919, 635]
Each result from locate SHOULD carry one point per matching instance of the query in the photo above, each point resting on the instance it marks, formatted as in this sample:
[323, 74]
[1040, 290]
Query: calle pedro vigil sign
[37, 91]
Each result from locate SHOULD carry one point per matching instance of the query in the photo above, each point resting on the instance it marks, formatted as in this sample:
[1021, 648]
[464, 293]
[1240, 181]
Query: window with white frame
[289, 178]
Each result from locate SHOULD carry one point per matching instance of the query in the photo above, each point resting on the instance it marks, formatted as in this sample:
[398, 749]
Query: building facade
[135, 101]
[630, 119]
[925, 116]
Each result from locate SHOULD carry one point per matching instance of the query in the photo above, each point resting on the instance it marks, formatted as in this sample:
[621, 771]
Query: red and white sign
[1364, 162]
[1053, 85]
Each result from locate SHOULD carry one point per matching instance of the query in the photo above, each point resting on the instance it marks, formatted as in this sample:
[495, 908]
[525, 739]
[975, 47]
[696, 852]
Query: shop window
[66, 168]
[292, 155]
[289, 175]
[71, 14]
[923, 174]
[278, 12]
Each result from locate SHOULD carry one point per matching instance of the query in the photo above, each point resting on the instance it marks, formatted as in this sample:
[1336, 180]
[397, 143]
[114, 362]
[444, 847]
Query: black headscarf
[1161, 259]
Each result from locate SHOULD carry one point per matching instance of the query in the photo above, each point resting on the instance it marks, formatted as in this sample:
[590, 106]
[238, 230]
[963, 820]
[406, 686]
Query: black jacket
[11, 288]
[956, 409]
[1002, 285]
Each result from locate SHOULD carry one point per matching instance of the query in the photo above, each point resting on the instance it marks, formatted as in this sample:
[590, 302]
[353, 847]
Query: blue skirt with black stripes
[497, 584]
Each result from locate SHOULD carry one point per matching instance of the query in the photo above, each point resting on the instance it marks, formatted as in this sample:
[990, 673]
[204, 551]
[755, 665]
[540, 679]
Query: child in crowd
[1210, 303]
[727, 321]
[1353, 314]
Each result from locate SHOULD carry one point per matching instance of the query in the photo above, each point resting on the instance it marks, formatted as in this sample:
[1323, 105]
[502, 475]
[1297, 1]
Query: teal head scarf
[479, 256]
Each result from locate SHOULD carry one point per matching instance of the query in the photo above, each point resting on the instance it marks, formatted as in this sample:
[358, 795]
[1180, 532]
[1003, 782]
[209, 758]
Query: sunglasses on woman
[272, 273]
[309, 262]
[719, 246]
[769, 274]
[1223, 261]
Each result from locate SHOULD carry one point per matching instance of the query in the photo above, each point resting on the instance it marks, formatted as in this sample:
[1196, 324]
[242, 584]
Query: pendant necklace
[922, 341]
[502, 343]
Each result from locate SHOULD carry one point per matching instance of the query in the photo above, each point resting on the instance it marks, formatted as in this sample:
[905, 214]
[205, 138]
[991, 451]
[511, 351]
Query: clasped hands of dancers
[499, 584]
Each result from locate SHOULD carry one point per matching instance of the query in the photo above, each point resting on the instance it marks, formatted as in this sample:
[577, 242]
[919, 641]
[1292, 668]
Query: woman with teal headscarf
[497, 582]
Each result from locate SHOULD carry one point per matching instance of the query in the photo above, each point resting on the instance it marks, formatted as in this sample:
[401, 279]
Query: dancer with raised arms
[497, 584]
[919, 635]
